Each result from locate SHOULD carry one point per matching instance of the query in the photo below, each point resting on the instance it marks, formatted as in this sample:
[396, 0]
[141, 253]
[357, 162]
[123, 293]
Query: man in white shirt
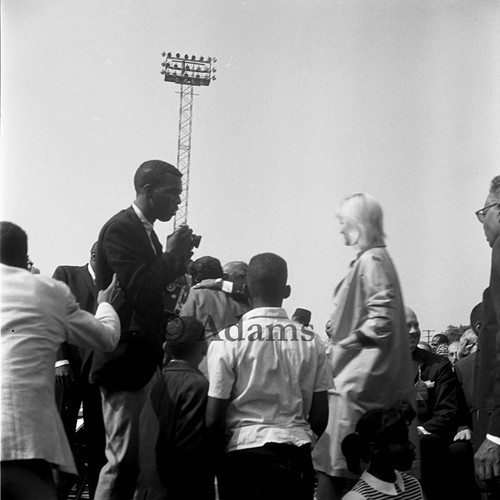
[38, 315]
[268, 392]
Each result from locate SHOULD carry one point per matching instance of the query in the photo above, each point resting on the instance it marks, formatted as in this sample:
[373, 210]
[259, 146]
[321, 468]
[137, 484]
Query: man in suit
[72, 373]
[486, 418]
[129, 247]
[437, 421]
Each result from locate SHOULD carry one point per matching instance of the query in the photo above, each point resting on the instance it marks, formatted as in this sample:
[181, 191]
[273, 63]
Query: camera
[195, 240]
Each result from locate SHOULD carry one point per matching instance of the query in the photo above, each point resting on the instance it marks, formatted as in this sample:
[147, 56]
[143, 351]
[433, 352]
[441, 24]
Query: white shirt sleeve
[493, 439]
[100, 332]
[220, 371]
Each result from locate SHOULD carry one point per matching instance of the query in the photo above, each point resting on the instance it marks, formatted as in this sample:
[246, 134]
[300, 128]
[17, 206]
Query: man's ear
[287, 292]
[147, 189]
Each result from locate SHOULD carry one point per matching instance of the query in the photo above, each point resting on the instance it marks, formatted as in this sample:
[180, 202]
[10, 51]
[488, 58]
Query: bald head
[413, 328]
[236, 271]
[266, 280]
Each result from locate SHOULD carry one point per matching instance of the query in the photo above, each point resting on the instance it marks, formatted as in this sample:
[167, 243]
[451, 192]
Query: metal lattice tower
[188, 72]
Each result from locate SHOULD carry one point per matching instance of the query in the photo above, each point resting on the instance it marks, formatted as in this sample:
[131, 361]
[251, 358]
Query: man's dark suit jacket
[486, 418]
[441, 416]
[124, 248]
[464, 370]
[82, 285]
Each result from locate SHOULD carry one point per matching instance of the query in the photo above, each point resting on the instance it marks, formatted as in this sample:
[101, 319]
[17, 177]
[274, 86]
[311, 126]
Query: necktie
[156, 243]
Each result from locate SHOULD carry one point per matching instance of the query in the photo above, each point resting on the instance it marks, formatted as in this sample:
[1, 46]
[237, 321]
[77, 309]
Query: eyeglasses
[481, 214]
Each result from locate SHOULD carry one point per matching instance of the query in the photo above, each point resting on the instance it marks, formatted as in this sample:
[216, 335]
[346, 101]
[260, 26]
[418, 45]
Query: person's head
[489, 215]
[13, 245]
[475, 318]
[467, 343]
[93, 253]
[361, 220]
[185, 339]
[302, 316]
[329, 329]
[158, 188]
[413, 328]
[440, 339]
[266, 280]
[205, 268]
[236, 271]
[453, 350]
[381, 437]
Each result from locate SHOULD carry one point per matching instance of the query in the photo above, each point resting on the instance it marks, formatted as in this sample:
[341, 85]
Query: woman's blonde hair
[364, 213]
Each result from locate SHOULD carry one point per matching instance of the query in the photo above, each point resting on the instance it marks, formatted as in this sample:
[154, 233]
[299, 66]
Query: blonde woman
[370, 356]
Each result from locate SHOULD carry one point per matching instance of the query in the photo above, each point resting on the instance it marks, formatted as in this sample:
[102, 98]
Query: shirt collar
[147, 225]
[91, 272]
[384, 486]
[265, 312]
[176, 365]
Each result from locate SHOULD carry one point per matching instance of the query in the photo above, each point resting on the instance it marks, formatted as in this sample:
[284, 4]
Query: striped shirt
[371, 488]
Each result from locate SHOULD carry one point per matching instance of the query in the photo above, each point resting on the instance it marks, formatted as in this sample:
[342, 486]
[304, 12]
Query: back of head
[13, 245]
[494, 194]
[235, 271]
[153, 172]
[266, 278]
[364, 214]
[374, 430]
[302, 316]
[475, 318]
[205, 268]
[182, 334]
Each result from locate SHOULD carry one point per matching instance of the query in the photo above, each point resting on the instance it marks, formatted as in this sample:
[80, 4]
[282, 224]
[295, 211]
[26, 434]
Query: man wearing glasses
[486, 416]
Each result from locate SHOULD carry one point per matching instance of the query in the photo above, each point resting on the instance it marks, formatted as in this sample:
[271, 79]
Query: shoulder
[412, 485]
[427, 357]
[122, 218]
[47, 290]
[56, 286]
[69, 270]
[189, 379]
[353, 495]
[374, 258]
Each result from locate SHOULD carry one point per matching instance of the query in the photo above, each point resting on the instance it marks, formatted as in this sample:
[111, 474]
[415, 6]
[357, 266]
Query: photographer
[129, 247]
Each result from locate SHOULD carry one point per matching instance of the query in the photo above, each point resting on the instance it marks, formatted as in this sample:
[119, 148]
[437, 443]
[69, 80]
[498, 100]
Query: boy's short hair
[182, 335]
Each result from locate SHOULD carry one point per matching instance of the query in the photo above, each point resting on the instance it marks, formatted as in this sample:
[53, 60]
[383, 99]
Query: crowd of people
[196, 384]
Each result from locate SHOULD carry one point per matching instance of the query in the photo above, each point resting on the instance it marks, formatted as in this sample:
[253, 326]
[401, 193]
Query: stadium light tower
[188, 72]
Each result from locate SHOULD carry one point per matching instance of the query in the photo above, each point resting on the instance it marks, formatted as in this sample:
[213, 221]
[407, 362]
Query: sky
[314, 101]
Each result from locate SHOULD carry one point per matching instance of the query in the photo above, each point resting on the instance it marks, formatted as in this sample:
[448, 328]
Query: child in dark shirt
[173, 443]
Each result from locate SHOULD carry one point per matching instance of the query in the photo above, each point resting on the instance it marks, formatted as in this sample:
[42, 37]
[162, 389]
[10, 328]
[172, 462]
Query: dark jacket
[82, 285]
[124, 248]
[442, 408]
[176, 459]
[486, 418]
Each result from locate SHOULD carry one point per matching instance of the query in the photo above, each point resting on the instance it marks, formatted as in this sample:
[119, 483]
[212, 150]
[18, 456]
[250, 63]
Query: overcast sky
[314, 100]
